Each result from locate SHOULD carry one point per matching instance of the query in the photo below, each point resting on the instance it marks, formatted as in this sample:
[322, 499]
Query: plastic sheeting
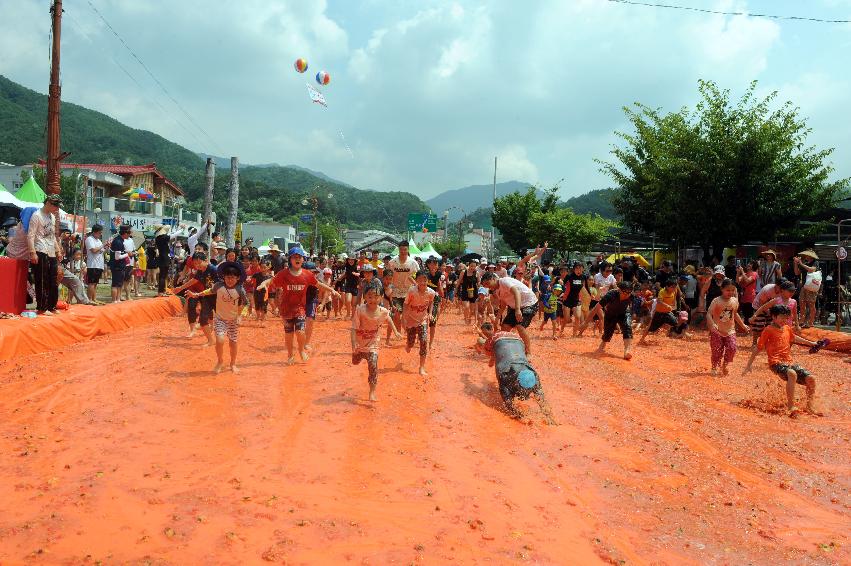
[25, 336]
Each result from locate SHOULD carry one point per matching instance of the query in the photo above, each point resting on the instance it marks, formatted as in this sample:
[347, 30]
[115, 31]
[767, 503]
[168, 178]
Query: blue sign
[306, 218]
[302, 235]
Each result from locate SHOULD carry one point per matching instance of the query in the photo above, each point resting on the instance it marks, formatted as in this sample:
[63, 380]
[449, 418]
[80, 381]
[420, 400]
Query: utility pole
[493, 204]
[233, 204]
[315, 225]
[210, 179]
[54, 99]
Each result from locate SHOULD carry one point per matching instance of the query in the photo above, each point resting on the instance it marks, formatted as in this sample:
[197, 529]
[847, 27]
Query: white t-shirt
[505, 294]
[366, 326]
[403, 276]
[417, 306]
[94, 260]
[129, 247]
[604, 283]
[228, 301]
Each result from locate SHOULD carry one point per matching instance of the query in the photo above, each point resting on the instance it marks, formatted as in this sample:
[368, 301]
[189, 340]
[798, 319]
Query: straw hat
[769, 251]
[220, 246]
[689, 270]
[808, 253]
[160, 229]
[274, 248]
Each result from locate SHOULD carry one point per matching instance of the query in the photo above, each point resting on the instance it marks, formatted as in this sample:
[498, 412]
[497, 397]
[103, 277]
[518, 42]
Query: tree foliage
[524, 220]
[720, 174]
[568, 231]
[512, 213]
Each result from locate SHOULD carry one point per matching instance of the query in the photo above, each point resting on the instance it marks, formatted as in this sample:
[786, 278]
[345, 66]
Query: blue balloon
[527, 379]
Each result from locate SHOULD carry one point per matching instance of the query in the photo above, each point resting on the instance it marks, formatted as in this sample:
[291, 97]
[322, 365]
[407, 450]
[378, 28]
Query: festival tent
[428, 251]
[31, 192]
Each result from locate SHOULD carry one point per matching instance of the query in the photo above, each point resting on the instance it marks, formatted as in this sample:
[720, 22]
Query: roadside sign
[841, 253]
[422, 222]
[306, 218]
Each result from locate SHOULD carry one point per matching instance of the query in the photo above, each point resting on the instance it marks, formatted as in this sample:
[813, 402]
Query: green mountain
[266, 192]
[598, 201]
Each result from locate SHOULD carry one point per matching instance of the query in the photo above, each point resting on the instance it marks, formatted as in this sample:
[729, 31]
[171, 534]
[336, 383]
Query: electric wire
[725, 13]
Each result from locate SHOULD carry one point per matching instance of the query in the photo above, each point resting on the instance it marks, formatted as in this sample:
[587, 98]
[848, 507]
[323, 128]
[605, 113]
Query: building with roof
[107, 186]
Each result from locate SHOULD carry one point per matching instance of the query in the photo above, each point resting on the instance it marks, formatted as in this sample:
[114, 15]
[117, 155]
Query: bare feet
[794, 412]
[208, 344]
[725, 371]
[234, 369]
[291, 360]
[814, 411]
[423, 371]
[218, 368]
[372, 396]
[304, 356]
[714, 372]
[627, 356]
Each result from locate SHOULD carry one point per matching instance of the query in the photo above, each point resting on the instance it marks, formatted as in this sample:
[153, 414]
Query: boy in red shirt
[777, 339]
[293, 283]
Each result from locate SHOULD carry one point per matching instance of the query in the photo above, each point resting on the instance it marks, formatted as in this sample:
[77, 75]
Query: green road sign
[422, 222]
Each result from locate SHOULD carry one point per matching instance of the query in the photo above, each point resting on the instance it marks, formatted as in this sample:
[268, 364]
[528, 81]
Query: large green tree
[722, 173]
[512, 213]
[567, 231]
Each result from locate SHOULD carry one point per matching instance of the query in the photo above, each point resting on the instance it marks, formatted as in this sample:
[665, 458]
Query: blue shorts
[310, 309]
[550, 316]
[295, 324]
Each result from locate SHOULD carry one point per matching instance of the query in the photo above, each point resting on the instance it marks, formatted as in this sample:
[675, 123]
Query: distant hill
[598, 201]
[266, 191]
[472, 198]
[90, 136]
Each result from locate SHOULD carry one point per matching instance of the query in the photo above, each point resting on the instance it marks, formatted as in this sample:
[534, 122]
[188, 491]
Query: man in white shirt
[404, 270]
[520, 302]
[45, 254]
[94, 261]
[604, 280]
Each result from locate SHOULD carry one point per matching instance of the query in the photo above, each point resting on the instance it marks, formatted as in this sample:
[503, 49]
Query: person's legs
[76, 287]
[716, 347]
[234, 348]
[423, 336]
[207, 307]
[791, 379]
[810, 384]
[162, 277]
[289, 330]
[411, 336]
[39, 276]
[625, 324]
[191, 314]
[730, 349]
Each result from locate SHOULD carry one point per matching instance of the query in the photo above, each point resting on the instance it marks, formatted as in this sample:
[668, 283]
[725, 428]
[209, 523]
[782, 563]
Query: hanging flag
[316, 96]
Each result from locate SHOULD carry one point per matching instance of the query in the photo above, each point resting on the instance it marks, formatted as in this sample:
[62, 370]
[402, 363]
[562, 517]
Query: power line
[723, 13]
[156, 80]
[138, 84]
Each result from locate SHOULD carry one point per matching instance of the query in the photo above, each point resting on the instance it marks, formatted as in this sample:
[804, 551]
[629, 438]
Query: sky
[426, 93]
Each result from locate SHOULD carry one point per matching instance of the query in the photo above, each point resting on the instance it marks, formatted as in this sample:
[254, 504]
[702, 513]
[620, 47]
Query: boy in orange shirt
[777, 339]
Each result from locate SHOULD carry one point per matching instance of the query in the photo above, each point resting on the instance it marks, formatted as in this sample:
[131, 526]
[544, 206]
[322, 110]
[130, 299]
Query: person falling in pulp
[366, 324]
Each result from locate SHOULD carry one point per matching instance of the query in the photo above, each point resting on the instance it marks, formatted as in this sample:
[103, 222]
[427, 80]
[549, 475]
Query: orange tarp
[839, 341]
[24, 336]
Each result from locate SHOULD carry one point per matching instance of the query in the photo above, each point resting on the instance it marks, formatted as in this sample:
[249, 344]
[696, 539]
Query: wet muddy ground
[127, 449]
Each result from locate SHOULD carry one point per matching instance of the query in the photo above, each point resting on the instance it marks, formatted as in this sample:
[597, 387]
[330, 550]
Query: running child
[230, 298]
[777, 339]
[404, 268]
[617, 306]
[292, 283]
[436, 281]
[722, 319]
[468, 284]
[548, 300]
[261, 297]
[201, 278]
[574, 283]
[484, 306]
[667, 304]
[415, 316]
[366, 324]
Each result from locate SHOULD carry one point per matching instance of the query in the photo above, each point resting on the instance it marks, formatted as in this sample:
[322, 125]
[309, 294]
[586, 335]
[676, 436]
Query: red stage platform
[24, 336]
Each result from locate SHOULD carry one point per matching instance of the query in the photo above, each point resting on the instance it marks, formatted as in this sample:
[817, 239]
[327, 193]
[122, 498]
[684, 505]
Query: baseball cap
[296, 251]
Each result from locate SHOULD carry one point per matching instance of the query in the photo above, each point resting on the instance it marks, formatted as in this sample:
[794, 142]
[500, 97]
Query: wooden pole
[210, 179]
[233, 203]
[53, 104]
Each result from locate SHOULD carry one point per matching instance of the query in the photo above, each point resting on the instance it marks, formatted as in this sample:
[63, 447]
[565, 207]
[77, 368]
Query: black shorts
[466, 295]
[781, 369]
[351, 289]
[571, 302]
[93, 276]
[118, 273]
[625, 324]
[662, 318]
[528, 314]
